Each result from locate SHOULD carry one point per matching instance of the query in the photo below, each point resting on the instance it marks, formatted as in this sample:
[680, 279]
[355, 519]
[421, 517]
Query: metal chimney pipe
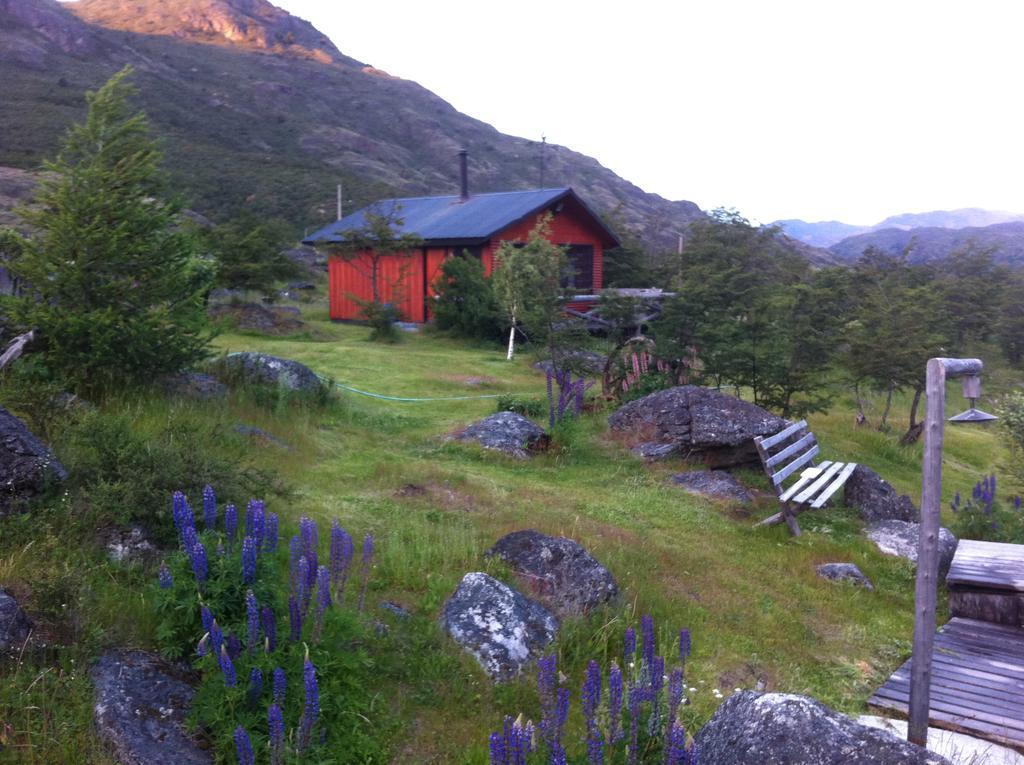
[463, 175]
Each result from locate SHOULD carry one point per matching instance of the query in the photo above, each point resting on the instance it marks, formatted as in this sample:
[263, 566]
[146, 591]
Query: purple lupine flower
[675, 695]
[311, 710]
[323, 600]
[547, 683]
[248, 560]
[164, 577]
[206, 617]
[244, 747]
[305, 592]
[657, 682]
[557, 755]
[629, 648]
[499, 755]
[310, 537]
[252, 621]
[647, 643]
[270, 541]
[216, 637]
[230, 523]
[181, 515]
[367, 565]
[294, 553]
[189, 538]
[341, 558]
[615, 732]
[234, 646]
[269, 629]
[209, 508]
[675, 747]
[636, 698]
[294, 619]
[280, 686]
[227, 668]
[1016, 502]
[591, 695]
[275, 723]
[255, 521]
[685, 645]
[199, 565]
[255, 686]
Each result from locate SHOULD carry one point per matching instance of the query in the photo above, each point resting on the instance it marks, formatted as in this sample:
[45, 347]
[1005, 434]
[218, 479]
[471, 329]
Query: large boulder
[195, 385]
[503, 629]
[558, 571]
[262, 368]
[141, 705]
[25, 464]
[506, 432]
[901, 538]
[704, 423]
[876, 500]
[782, 729]
[15, 626]
[717, 484]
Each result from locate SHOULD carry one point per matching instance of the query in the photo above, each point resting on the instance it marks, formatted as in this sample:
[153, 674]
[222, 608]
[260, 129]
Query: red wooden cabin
[448, 225]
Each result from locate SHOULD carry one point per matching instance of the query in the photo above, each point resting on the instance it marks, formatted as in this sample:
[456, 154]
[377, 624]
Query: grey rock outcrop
[844, 572]
[506, 432]
[901, 538]
[195, 385]
[25, 464]
[704, 423]
[653, 451]
[782, 729]
[15, 625]
[271, 370]
[876, 500]
[130, 546]
[140, 709]
[717, 484]
[502, 628]
[557, 571]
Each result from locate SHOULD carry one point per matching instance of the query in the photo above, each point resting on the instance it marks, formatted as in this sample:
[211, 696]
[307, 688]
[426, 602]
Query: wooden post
[925, 591]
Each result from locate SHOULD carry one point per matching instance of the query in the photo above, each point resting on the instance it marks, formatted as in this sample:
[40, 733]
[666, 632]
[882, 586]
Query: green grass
[760, 616]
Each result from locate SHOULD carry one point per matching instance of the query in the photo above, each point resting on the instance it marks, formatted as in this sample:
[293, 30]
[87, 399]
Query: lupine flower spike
[323, 600]
[252, 622]
[199, 564]
[248, 560]
[165, 578]
[255, 686]
[280, 685]
[275, 722]
[230, 523]
[311, 710]
[269, 629]
[209, 508]
[227, 668]
[270, 541]
[244, 747]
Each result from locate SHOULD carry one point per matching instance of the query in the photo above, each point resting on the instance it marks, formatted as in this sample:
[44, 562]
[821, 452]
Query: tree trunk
[883, 425]
[916, 428]
[862, 418]
[512, 339]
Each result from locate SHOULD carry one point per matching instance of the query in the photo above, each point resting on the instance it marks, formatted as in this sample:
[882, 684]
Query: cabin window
[473, 252]
[580, 274]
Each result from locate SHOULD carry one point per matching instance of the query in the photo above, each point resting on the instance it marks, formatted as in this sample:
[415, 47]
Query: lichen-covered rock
[502, 628]
[844, 572]
[130, 546]
[557, 571]
[195, 385]
[26, 465]
[717, 484]
[271, 370]
[141, 704]
[15, 625]
[876, 500]
[652, 451]
[704, 423]
[506, 432]
[901, 538]
[782, 729]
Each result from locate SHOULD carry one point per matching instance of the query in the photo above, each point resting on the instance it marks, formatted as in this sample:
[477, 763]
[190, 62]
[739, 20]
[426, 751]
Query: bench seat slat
[809, 475]
[815, 487]
[795, 465]
[791, 450]
[782, 435]
[837, 484]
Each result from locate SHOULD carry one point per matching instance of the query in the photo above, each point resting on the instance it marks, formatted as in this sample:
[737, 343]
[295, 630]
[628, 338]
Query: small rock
[506, 432]
[783, 729]
[195, 385]
[141, 705]
[129, 546]
[26, 465]
[652, 451]
[395, 609]
[844, 572]
[503, 629]
[901, 538]
[717, 484]
[558, 571]
[876, 500]
[15, 626]
[258, 434]
[263, 368]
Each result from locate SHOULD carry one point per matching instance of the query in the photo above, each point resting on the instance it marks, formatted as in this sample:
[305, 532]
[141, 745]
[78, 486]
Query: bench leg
[789, 514]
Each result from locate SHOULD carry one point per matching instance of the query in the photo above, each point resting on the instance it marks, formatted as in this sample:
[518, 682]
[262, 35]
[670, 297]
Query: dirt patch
[749, 677]
[473, 381]
[279, 320]
[439, 494]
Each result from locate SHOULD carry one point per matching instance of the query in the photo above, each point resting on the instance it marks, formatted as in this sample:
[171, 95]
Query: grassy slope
[757, 610]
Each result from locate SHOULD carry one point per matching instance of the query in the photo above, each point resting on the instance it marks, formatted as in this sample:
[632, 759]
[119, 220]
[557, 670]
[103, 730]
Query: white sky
[813, 110]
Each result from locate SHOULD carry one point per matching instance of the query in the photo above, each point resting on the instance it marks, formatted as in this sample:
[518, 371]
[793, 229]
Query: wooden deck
[988, 564]
[977, 682]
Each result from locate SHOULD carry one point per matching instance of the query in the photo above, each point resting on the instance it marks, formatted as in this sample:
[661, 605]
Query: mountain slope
[251, 116]
[931, 243]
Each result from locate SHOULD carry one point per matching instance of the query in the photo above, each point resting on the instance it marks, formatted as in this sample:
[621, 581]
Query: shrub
[465, 304]
[983, 516]
[528, 407]
[1011, 415]
[382, 318]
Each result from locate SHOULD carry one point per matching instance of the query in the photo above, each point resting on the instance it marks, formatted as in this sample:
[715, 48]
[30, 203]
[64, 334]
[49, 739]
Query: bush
[125, 475]
[1011, 414]
[381, 317]
[528, 407]
[465, 304]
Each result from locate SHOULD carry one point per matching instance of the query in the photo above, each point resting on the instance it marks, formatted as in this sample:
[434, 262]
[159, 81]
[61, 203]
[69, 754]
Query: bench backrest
[787, 453]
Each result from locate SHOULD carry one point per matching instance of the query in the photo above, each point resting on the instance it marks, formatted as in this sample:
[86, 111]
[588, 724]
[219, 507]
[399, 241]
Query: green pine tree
[113, 283]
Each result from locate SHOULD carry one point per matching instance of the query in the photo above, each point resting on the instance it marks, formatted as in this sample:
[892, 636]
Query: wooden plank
[806, 477]
[966, 685]
[942, 703]
[782, 435]
[815, 487]
[967, 702]
[793, 449]
[795, 465]
[835, 486]
[955, 723]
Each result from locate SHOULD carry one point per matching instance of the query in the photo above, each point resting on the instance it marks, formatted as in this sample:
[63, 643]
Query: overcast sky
[816, 110]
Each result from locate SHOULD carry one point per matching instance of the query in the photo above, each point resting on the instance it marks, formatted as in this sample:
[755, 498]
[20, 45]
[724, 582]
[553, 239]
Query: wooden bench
[789, 455]
[986, 582]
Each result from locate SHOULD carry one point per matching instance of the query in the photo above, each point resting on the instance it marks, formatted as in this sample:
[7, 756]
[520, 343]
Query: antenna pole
[339, 202]
[543, 143]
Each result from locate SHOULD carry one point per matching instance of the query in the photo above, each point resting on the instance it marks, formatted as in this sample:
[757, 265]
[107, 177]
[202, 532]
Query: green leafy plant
[527, 406]
[465, 304]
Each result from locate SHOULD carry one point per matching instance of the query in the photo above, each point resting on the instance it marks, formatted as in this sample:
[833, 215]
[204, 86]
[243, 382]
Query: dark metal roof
[451, 220]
